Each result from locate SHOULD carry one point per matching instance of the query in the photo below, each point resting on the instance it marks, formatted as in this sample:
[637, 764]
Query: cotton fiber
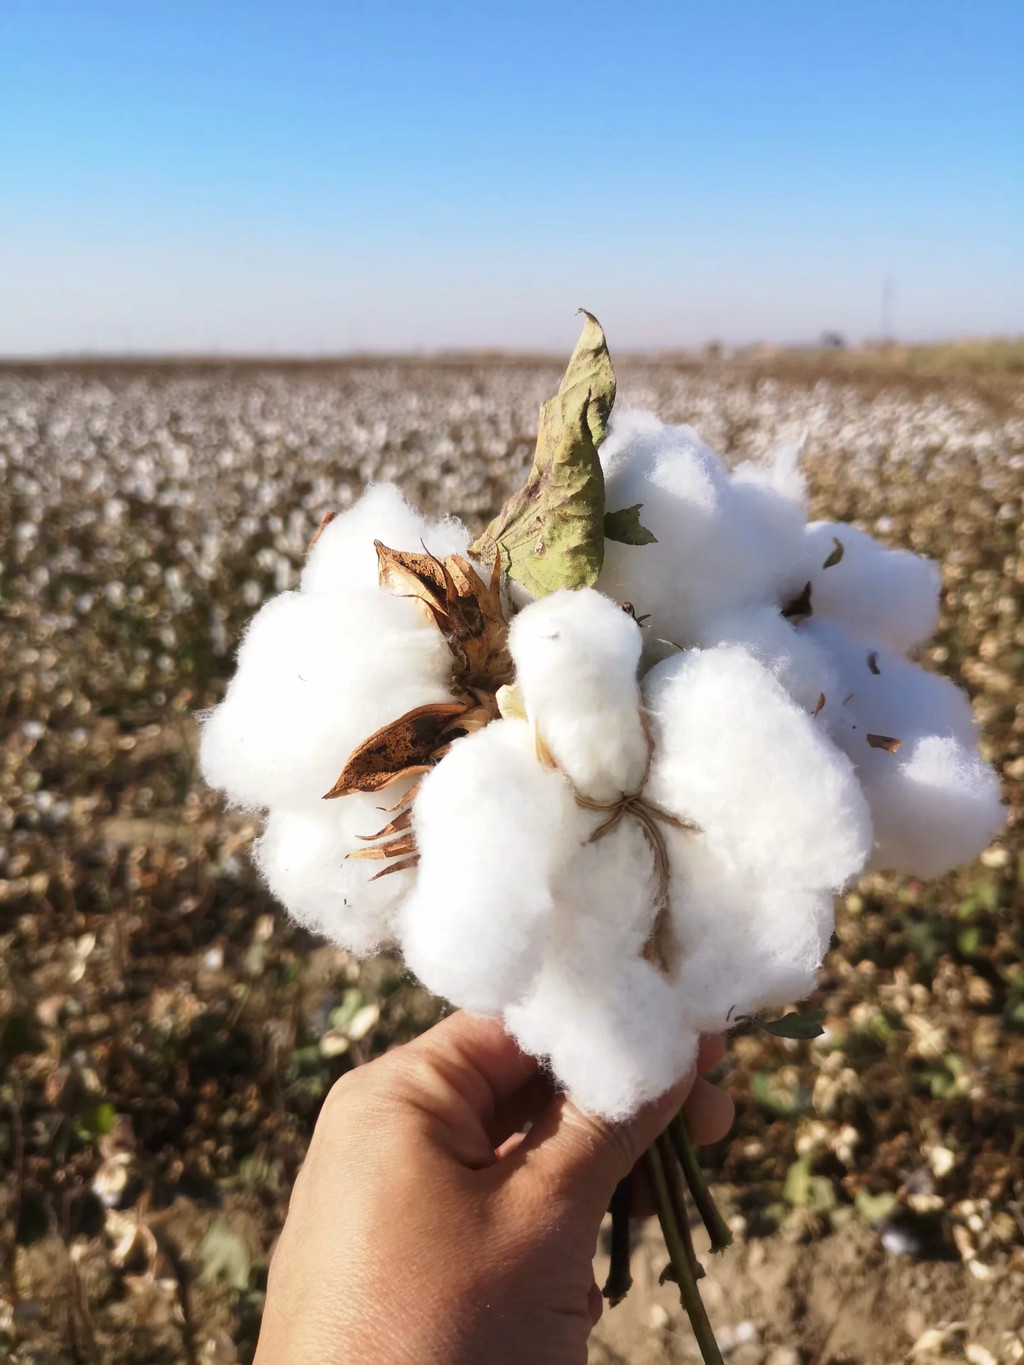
[613, 813]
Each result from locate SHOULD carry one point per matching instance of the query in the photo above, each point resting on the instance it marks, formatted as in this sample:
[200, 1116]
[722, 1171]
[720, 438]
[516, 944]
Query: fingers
[476, 1057]
[520, 1108]
[712, 1050]
[709, 1112]
[585, 1157]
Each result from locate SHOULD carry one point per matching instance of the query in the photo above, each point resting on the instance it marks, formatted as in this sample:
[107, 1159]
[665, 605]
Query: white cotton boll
[885, 694]
[934, 801]
[722, 542]
[576, 657]
[781, 473]
[302, 855]
[344, 556]
[613, 1028]
[749, 943]
[318, 673]
[773, 796]
[891, 595]
[936, 807]
[791, 656]
[491, 826]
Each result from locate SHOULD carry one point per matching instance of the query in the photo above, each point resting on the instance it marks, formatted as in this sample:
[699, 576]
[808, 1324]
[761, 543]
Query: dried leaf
[399, 823]
[820, 706]
[836, 555]
[403, 748]
[796, 1025]
[550, 534]
[800, 607]
[885, 742]
[325, 521]
[626, 528]
[873, 663]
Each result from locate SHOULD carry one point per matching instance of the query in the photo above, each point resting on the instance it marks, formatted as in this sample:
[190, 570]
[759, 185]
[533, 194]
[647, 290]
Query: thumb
[585, 1157]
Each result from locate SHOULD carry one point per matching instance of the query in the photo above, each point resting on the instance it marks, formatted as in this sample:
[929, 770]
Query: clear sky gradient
[310, 177]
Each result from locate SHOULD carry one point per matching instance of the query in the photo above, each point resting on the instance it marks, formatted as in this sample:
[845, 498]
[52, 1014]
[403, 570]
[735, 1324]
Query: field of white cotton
[167, 1035]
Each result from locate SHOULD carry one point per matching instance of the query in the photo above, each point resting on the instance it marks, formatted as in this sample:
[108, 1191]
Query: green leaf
[796, 1025]
[874, 1208]
[94, 1119]
[225, 1255]
[550, 534]
[836, 555]
[625, 527]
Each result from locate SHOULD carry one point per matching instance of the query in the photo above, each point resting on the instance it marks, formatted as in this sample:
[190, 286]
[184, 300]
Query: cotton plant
[601, 771]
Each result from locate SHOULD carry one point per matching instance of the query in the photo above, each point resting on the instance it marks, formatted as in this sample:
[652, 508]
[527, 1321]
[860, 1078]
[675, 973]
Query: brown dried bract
[399, 847]
[820, 706]
[405, 747]
[885, 742]
[466, 610]
[325, 521]
[799, 608]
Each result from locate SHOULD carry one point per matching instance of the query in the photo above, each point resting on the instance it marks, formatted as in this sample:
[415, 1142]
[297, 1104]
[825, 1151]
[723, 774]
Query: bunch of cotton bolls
[639, 836]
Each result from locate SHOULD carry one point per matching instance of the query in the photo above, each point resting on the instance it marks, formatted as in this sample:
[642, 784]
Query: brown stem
[619, 1276]
[689, 1294]
[718, 1229]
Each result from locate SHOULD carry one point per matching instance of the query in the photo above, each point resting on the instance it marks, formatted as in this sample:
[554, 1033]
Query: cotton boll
[344, 556]
[773, 797]
[891, 595]
[302, 855]
[936, 806]
[612, 1026]
[318, 673]
[885, 694]
[781, 474]
[790, 655]
[935, 802]
[748, 943]
[576, 657]
[491, 826]
[679, 483]
[722, 542]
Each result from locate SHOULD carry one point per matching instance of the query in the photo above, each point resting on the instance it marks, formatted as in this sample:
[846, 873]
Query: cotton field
[166, 1036]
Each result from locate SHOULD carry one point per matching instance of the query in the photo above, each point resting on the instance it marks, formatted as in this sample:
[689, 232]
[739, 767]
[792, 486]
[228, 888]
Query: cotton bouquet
[602, 770]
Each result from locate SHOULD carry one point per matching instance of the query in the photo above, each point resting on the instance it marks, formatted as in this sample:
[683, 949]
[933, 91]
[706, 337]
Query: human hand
[426, 1229]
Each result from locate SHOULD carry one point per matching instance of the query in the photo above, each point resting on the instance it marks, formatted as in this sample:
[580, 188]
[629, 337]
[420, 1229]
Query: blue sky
[314, 176]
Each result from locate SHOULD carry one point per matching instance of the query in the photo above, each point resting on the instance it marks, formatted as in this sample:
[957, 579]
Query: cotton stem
[680, 1258]
[619, 1275]
[717, 1228]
